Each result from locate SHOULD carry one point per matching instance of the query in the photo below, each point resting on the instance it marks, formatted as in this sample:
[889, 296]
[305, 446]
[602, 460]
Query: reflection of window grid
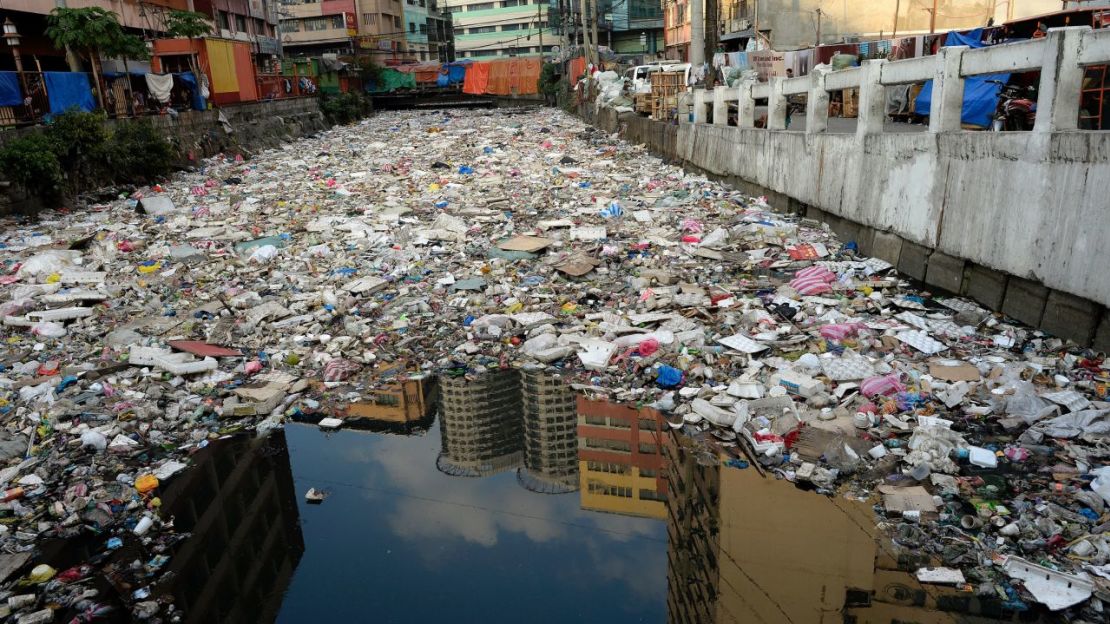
[597, 487]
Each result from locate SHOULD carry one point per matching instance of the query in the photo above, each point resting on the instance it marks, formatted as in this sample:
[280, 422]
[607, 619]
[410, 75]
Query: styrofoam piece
[982, 457]
[61, 314]
[145, 356]
[364, 285]
[185, 364]
[742, 343]
[157, 205]
[82, 277]
[74, 295]
[944, 576]
[596, 353]
[921, 341]
[18, 321]
[330, 423]
[1053, 589]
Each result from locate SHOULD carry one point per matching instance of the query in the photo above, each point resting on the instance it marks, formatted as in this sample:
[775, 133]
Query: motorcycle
[1016, 110]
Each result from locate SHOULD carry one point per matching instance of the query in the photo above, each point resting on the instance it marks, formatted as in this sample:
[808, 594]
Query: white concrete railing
[1061, 58]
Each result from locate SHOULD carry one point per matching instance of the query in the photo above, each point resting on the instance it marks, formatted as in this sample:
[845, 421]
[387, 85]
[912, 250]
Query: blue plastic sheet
[69, 90]
[980, 93]
[456, 73]
[668, 377]
[10, 95]
[191, 82]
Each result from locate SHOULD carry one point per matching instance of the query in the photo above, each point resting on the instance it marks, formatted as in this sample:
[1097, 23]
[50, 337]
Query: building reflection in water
[239, 504]
[511, 420]
[744, 548]
[620, 459]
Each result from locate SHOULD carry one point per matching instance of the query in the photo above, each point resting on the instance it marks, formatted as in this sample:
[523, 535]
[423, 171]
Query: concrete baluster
[1061, 80]
[817, 106]
[947, 104]
[872, 98]
[746, 105]
[699, 105]
[776, 106]
[720, 106]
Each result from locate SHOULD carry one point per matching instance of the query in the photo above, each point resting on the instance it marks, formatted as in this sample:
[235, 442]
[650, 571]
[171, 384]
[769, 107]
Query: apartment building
[496, 28]
[796, 24]
[620, 459]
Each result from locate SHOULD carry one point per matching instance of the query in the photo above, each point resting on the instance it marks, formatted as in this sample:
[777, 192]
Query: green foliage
[129, 47]
[84, 30]
[187, 24]
[371, 73]
[344, 108]
[139, 152]
[30, 162]
[77, 152]
[549, 79]
[79, 139]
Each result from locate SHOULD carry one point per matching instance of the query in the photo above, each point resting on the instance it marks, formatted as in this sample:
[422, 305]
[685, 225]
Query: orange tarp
[514, 76]
[577, 68]
[423, 72]
[476, 79]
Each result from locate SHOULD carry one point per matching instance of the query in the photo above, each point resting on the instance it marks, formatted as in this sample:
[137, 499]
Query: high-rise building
[631, 26]
[482, 424]
[620, 459]
[742, 547]
[238, 502]
[550, 433]
[500, 28]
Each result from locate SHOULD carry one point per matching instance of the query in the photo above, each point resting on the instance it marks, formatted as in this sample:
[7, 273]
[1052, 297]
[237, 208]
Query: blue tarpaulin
[980, 93]
[10, 95]
[456, 73]
[69, 90]
[191, 82]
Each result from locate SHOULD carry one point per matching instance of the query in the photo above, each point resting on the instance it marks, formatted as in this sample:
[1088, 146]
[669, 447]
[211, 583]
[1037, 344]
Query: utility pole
[820, 13]
[539, 22]
[697, 33]
[897, 9]
[585, 32]
[933, 18]
[593, 36]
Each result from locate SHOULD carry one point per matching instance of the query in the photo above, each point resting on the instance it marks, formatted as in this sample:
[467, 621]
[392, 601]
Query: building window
[680, 12]
[369, 19]
[507, 27]
[221, 19]
[240, 24]
[290, 26]
[480, 7]
[412, 27]
[487, 53]
[423, 29]
[455, 9]
[608, 445]
[652, 495]
[397, 22]
[482, 29]
[512, 3]
[596, 487]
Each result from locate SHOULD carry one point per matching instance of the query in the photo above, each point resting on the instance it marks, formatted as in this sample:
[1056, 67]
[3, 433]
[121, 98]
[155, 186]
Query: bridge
[1015, 220]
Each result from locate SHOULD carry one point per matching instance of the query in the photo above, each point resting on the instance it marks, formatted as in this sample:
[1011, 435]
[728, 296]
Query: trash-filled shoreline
[293, 285]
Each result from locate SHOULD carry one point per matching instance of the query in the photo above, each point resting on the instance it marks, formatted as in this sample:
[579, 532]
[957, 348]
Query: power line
[491, 510]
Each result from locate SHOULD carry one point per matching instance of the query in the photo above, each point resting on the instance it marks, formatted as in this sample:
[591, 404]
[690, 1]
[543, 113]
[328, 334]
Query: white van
[638, 78]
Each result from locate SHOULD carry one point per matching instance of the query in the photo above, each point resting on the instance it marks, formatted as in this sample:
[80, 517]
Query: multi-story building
[620, 459]
[482, 424]
[441, 38]
[550, 433]
[742, 547]
[310, 28]
[795, 24]
[492, 28]
[238, 502]
[631, 26]
[415, 24]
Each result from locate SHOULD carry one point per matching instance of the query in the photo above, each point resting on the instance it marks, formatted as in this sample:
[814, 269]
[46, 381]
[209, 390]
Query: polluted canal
[495, 366]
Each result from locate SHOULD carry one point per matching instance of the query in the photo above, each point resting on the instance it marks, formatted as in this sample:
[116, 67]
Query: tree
[86, 32]
[128, 47]
[190, 25]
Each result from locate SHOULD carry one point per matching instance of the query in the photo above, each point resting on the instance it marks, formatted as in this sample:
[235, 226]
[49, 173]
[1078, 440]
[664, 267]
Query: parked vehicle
[1017, 108]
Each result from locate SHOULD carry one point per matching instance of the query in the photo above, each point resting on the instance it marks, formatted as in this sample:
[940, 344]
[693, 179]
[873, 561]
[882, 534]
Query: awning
[740, 34]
